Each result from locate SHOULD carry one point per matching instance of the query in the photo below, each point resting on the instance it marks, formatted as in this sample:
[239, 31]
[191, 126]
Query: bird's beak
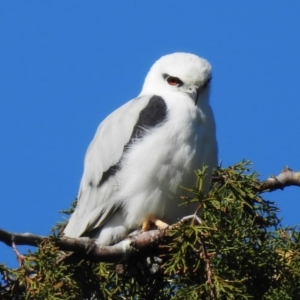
[197, 90]
[193, 92]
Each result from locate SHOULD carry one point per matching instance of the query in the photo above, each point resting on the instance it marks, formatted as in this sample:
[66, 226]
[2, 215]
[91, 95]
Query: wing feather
[104, 152]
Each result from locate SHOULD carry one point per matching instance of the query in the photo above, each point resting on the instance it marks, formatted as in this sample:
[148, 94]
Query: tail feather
[94, 207]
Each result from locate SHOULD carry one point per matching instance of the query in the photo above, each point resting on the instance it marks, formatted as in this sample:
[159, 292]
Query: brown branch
[28, 239]
[286, 178]
[88, 248]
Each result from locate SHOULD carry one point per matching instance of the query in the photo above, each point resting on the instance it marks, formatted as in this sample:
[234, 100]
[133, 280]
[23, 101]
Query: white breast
[169, 155]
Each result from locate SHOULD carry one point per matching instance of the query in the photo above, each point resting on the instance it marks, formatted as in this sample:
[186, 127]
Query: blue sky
[65, 65]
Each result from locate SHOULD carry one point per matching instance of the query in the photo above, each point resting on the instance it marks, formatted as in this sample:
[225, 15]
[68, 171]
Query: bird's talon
[146, 225]
[160, 224]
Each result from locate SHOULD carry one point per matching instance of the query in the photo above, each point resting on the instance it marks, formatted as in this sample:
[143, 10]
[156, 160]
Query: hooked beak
[193, 92]
[197, 91]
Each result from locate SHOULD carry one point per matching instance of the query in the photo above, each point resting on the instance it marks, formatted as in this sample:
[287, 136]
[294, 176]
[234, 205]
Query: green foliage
[235, 249]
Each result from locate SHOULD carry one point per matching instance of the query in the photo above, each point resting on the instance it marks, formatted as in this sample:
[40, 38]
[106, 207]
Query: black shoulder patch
[153, 114]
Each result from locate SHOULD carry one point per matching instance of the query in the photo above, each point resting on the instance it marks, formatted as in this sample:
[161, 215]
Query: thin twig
[20, 257]
[208, 269]
[191, 217]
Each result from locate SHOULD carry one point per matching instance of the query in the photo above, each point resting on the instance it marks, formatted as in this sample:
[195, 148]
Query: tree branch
[286, 178]
[88, 248]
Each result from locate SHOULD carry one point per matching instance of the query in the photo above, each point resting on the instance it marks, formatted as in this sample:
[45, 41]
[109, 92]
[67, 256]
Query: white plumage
[146, 148]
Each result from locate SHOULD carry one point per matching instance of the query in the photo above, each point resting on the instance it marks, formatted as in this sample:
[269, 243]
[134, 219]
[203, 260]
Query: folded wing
[100, 165]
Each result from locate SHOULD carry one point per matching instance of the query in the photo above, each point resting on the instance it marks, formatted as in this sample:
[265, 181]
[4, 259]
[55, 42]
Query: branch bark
[88, 248]
[286, 178]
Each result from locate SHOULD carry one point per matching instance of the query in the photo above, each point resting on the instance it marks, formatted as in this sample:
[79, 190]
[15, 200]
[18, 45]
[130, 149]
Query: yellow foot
[158, 223]
[146, 225]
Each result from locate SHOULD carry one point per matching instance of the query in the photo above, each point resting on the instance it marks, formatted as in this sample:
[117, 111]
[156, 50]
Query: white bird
[144, 150]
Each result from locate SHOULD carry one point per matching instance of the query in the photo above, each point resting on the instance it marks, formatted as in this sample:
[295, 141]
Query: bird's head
[179, 72]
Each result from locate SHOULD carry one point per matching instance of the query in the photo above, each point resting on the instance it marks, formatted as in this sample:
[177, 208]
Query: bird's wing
[101, 163]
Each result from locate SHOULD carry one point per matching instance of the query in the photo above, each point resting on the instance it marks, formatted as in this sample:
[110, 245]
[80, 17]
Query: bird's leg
[158, 223]
[146, 225]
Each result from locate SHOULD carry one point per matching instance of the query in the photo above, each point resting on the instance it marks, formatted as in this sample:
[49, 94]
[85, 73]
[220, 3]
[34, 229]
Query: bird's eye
[174, 81]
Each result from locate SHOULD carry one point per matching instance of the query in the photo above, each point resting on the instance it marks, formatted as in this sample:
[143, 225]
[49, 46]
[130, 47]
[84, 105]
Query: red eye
[174, 81]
